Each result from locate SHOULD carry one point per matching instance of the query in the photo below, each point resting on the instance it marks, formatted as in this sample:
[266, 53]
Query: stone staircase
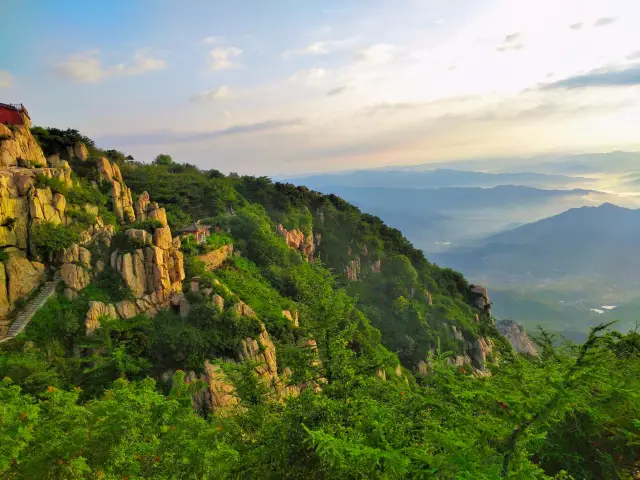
[25, 316]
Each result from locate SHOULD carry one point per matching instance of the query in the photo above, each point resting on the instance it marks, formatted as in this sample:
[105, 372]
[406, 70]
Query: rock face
[292, 317]
[80, 151]
[298, 241]
[517, 337]
[481, 351]
[18, 144]
[97, 310]
[215, 258]
[352, 269]
[145, 209]
[481, 297]
[263, 351]
[120, 193]
[219, 396]
[23, 277]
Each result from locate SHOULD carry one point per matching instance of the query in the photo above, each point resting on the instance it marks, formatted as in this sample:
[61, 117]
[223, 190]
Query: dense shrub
[49, 237]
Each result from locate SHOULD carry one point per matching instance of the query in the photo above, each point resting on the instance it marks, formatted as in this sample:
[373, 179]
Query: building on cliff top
[200, 232]
[14, 114]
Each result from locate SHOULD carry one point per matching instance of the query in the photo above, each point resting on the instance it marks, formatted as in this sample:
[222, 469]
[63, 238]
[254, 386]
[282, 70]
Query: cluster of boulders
[24, 204]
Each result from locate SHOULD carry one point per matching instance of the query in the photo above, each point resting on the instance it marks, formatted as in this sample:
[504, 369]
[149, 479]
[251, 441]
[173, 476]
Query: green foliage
[49, 237]
[82, 217]
[163, 159]
[149, 224]
[108, 217]
[54, 140]
[3, 256]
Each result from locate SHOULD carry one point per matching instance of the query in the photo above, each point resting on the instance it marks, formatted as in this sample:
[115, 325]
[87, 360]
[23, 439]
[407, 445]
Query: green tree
[163, 159]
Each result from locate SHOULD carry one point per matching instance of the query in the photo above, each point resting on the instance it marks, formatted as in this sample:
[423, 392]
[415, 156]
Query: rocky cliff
[19, 148]
[517, 337]
[297, 240]
[153, 270]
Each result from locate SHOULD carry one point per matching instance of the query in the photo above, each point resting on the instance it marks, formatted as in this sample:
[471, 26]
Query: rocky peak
[480, 297]
[517, 337]
[120, 193]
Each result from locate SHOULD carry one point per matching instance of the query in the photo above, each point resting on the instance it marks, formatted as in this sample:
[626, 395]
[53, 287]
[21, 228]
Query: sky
[270, 87]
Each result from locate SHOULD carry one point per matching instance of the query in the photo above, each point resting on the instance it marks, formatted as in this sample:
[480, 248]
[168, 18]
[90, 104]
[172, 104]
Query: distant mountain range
[435, 219]
[414, 177]
[592, 242]
[448, 198]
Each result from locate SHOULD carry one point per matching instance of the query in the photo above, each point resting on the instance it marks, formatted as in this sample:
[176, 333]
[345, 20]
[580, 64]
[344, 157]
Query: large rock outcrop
[145, 209]
[517, 337]
[480, 297]
[154, 273]
[23, 206]
[120, 193]
[297, 240]
[97, 311]
[16, 144]
[219, 397]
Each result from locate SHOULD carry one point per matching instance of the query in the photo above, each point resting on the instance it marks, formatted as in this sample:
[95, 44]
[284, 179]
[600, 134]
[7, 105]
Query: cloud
[576, 26]
[634, 55]
[337, 90]
[87, 67]
[604, 21]
[308, 75]
[220, 58]
[386, 107]
[318, 48]
[511, 38]
[510, 42]
[445, 102]
[378, 53]
[166, 137]
[6, 79]
[209, 95]
[213, 40]
[622, 77]
[143, 63]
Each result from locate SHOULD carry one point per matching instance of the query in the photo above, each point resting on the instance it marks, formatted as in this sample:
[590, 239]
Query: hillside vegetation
[303, 339]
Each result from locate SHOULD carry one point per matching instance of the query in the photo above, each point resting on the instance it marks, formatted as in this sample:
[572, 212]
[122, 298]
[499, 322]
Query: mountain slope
[244, 356]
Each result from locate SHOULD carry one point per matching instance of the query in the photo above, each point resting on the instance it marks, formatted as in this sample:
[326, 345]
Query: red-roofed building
[14, 114]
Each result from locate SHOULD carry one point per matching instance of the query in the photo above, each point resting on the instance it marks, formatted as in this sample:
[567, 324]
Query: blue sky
[284, 87]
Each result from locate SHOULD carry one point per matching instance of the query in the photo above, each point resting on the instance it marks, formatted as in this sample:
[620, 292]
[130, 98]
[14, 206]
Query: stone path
[25, 316]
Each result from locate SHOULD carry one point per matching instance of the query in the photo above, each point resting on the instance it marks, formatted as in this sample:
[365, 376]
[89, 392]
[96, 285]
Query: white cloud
[213, 40]
[378, 53]
[319, 48]
[6, 79]
[308, 75]
[634, 55]
[222, 58]
[222, 91]
[87, 67]
[143, 63]
[604, 21]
